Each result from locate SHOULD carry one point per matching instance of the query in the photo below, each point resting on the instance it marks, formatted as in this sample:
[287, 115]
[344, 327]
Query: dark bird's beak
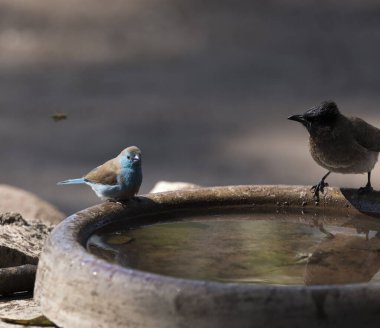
[136, 158]
[298, 118]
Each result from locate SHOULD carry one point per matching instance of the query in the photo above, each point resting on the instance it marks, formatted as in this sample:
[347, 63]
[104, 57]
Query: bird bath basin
[242, 256]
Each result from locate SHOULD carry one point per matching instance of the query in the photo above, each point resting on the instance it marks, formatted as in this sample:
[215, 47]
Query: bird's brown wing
[105, 174]
[366, 134]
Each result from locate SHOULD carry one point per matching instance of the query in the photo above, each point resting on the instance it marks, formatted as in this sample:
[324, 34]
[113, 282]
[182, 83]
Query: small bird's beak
[136, 158]
[298, 118]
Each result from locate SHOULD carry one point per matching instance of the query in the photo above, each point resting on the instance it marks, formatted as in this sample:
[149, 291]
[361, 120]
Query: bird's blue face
[130, 157]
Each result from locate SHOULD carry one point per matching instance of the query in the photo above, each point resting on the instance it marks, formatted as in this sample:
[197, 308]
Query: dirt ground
[203, 88]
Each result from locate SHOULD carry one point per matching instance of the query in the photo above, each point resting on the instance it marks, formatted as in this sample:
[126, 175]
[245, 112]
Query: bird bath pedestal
[78, 289]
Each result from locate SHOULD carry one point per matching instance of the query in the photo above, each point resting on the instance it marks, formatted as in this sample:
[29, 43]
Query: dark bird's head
[322, 116]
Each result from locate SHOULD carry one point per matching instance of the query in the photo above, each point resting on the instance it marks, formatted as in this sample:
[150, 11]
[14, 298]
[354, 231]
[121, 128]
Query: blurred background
[202, 87]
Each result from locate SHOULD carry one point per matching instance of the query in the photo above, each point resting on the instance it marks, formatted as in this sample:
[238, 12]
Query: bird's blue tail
[72, 181]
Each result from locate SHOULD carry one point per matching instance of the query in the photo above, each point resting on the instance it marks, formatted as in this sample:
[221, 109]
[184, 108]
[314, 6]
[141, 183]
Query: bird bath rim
[85, 280]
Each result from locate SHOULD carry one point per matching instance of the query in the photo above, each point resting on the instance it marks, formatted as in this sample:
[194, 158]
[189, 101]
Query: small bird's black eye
[129, 157]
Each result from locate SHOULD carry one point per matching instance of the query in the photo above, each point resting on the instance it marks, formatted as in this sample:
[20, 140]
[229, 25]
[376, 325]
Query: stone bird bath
[78, 289]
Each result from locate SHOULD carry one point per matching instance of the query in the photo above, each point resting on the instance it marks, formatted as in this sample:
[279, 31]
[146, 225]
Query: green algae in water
[260, 250]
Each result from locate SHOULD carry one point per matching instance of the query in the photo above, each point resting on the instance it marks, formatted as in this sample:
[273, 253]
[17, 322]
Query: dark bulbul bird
[340, 144]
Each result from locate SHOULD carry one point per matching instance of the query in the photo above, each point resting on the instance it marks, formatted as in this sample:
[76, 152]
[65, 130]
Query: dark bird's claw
[319, 187]
[365, 190]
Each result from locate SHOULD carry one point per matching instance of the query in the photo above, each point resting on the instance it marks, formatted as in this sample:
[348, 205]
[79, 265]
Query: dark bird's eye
[129, 157]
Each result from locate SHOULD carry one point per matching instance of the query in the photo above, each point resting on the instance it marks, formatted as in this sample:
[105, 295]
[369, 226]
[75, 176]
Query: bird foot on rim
[365, 190]
[319, 187]
[116, 201]
[125, 202]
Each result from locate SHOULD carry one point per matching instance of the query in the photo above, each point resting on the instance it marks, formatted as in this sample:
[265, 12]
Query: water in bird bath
[248, 246]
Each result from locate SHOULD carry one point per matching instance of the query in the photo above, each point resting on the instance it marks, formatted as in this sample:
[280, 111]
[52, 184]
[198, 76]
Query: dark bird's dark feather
[366, 134]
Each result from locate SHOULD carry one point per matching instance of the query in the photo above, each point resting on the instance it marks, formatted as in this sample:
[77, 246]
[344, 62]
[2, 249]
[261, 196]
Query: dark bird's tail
[72, 181]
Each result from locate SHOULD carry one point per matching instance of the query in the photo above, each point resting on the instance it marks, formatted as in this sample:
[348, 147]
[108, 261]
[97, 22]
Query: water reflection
[263, 248]
[343, 258]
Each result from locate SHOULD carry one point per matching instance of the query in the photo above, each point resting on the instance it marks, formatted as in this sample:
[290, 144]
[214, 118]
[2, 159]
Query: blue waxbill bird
[118, 179]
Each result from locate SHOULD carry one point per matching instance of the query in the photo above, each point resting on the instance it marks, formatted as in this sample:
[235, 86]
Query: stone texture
[20, 307]
[21, 242]
[31, 207]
